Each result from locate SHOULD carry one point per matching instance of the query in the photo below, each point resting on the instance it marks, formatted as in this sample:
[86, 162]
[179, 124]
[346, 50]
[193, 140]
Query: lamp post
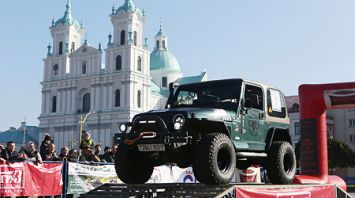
[82, 122]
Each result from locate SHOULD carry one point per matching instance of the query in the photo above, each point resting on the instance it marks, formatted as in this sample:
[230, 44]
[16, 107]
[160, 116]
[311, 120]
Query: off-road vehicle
[215, 126]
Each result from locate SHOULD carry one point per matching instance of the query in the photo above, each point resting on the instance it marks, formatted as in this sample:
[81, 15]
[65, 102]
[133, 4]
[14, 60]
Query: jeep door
[253, 129]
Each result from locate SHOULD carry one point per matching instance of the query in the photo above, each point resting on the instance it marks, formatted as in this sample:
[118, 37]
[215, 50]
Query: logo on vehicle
[254, 127]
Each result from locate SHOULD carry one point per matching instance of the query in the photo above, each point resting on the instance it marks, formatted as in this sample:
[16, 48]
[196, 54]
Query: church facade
[103, 87]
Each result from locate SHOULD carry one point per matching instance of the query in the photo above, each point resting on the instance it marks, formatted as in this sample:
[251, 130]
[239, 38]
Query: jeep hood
[199, 113]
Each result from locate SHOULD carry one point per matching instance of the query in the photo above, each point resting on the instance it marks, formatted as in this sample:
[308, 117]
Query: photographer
[88, 155]
[32, 154]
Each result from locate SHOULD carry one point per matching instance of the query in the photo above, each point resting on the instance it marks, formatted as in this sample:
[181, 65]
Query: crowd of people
[88, 152]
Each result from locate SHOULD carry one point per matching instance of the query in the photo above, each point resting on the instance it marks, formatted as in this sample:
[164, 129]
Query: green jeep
[215, 126]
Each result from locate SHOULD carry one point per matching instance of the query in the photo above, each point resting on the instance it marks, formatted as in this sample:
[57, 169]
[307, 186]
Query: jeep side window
[276, 105]
[253, 97]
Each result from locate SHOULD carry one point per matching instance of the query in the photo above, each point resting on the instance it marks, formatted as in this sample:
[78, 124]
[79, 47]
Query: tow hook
[167, 140]
[148, 135]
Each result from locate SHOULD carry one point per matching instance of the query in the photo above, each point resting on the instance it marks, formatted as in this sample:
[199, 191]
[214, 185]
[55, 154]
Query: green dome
[164, 60]
[128, 6]
[67, 19]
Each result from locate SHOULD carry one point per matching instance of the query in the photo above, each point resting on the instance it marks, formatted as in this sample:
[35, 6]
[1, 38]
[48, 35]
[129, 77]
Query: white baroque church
[78, 83]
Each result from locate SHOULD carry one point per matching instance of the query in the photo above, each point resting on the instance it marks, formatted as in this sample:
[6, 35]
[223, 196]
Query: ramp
[226, 191]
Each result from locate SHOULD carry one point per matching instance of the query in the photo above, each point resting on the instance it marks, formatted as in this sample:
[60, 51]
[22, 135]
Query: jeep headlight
[178, 121]
[123, 127]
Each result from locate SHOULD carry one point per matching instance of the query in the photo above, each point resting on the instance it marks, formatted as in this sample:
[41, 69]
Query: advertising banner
[343, 98]
[27, 179]
[291, 192]
[82, 177]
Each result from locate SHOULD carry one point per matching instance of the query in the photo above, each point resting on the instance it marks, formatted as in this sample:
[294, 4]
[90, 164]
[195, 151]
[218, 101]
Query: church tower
[67, 34]
[164, 67]
[127, 58]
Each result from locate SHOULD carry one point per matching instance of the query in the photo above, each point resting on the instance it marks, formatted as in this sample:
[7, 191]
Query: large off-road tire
[215, 159]
[281, 163]
[132, 167]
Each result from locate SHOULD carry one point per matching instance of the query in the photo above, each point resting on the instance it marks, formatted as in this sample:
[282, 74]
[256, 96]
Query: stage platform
[229, 191]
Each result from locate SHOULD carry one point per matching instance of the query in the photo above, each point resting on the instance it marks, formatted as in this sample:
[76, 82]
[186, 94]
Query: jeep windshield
[223, 94]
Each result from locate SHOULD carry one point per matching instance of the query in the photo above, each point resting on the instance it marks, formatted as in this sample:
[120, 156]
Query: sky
[278, 42]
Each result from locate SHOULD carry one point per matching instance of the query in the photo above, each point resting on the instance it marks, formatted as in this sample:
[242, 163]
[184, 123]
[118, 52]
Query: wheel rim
[287, 162]
[223, 159]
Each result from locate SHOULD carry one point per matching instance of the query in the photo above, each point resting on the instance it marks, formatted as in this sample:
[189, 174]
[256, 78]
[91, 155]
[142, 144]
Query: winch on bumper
[152, 133]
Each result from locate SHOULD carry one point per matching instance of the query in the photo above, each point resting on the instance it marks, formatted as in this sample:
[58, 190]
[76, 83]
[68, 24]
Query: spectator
[98, 152]
[9, 153]
[97, 149]
[73, 155]
[88, 155]
[32, 154]
[44, 146]
[87, 141]
[64, 151]
[110, 155]
[50, 154]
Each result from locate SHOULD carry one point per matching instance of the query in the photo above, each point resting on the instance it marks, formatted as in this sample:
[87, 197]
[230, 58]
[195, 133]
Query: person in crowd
[44, 146]
[9, 153]
[87, 141]
[32, 154]
[73, 155]
[110, 155]
[64, 151]
[50, 154]
[88, 155]
[1, 147]
[98, 152]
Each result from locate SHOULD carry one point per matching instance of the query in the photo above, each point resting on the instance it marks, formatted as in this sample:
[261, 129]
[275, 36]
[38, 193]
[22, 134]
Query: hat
[107, 148]
[47, 137]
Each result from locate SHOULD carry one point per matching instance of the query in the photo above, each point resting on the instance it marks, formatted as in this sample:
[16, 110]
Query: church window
[164, 45]
[158, 44]
[55, 69]
[60, 48]
[72, 47]
[164, 82]
[139, 99]
[54, 104]
[86, 103]
[83, 68]
[139, 63]
[135, 38]
[117, 98]
[118, 62]
[123, 37]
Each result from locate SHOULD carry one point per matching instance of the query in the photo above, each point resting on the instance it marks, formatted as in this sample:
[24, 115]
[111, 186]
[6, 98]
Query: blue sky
[284, 43]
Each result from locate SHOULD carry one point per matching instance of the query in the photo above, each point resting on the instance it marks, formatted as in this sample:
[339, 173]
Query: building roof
[155, 89]
[192, 79]
[16, 135]
[67, 19]
[162, 59]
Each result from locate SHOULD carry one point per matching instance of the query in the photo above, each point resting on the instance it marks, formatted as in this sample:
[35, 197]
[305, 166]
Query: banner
[82, 178]
[286, 192]
[27, 179]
